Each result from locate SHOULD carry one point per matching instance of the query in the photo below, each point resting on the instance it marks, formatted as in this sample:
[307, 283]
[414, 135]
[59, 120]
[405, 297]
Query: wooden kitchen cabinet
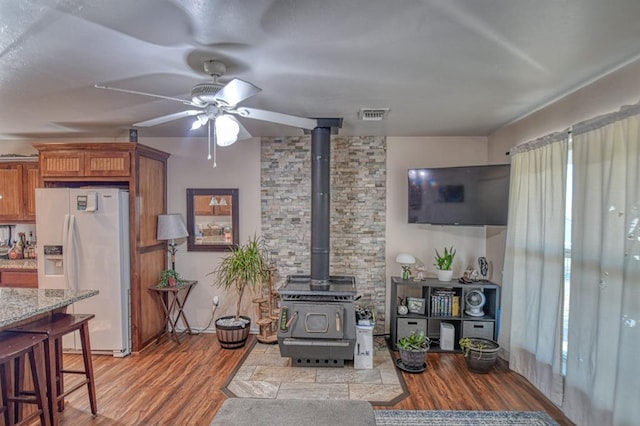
[96, 160]
[202, 206]
[18, 181]
[19, 278]
[141, 170]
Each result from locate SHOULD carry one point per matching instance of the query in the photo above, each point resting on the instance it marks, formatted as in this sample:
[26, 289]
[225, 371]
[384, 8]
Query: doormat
[462, 418]
[263, 373]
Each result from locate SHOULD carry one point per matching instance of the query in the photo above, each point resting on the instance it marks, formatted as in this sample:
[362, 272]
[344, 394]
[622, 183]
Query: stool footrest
[73, 371]
[73, 388]
[23, 399]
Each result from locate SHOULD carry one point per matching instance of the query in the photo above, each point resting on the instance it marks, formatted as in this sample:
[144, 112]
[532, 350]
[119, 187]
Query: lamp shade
[405, 259]
[227, 129]
[171, 226]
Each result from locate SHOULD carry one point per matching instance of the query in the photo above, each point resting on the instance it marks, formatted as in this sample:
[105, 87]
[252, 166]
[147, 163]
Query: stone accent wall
[358, 211]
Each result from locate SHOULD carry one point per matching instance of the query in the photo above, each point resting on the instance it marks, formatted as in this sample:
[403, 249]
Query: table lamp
[170, 227]
[406, 260]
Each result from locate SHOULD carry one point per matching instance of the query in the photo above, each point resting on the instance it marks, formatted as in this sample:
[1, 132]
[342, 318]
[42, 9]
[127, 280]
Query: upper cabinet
[18, 181]
[85, 163]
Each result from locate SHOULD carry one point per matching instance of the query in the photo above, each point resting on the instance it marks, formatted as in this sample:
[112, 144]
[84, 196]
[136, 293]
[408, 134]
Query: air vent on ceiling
[373, 114]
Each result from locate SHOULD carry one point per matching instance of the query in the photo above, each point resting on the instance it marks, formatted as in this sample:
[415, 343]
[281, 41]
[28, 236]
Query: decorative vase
[445, 275]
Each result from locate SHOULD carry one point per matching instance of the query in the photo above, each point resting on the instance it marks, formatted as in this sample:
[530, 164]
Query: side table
[173, 306]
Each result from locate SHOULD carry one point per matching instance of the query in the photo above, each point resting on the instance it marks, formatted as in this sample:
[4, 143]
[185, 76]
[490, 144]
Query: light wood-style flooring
[170, 384]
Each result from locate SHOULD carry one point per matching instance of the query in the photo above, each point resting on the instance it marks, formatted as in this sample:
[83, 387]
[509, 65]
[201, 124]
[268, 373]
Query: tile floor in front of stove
[265, 374]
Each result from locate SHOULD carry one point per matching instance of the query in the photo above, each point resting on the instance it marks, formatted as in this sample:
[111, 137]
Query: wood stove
[317, 313]
[317, 327]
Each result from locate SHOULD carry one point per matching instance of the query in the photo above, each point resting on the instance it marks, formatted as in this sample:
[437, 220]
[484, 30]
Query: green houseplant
[481, 354]
[243, 270]
[169, 278]
[413, 349]
[444, 263]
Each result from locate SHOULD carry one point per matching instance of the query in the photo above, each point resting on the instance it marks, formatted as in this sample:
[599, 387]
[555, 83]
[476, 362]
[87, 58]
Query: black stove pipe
[320, 206]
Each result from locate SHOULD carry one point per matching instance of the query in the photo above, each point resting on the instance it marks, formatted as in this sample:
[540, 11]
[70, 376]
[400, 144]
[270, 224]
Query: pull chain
[209, 140]
[215, 142]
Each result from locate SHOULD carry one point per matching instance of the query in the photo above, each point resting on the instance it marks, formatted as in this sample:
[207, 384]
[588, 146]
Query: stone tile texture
[358, 211]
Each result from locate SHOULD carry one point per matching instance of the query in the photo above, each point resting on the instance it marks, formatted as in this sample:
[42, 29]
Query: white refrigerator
[83, 243]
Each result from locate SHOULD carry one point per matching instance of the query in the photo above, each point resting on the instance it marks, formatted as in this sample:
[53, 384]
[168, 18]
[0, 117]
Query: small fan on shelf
[474, 301]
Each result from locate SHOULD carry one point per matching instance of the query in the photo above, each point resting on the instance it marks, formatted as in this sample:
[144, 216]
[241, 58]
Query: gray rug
[462, 418]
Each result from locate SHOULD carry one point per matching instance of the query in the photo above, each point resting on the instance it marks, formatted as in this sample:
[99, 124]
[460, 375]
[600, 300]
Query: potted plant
[444, 262]
[413, 349]
[169, 278]
[481, 354]
[244, 268]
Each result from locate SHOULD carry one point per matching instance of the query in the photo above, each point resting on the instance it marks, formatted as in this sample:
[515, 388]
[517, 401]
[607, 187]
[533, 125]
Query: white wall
[238, 166]
[607, 94]
[404, 153]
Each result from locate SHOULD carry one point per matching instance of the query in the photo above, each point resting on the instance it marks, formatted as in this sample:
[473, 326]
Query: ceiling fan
[216, 102]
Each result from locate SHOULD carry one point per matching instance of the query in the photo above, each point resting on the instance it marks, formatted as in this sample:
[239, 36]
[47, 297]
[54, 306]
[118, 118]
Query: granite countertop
[19, 264]
[17, 304]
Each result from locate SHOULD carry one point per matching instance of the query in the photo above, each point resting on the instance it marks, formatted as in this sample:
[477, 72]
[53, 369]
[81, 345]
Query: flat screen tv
[471, 195]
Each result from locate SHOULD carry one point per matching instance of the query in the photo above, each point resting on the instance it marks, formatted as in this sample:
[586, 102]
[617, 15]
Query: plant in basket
[245, 269]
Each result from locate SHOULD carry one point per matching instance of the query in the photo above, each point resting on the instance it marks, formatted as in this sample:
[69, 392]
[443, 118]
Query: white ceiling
[448, 67]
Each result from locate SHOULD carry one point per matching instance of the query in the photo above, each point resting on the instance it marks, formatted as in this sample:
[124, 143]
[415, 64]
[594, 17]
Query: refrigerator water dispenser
[53, 260]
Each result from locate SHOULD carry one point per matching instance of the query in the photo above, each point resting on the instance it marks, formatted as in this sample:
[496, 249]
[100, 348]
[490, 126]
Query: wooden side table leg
[166, 319]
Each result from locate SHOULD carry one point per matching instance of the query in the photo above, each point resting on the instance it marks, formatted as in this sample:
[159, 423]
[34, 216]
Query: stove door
[318, 321]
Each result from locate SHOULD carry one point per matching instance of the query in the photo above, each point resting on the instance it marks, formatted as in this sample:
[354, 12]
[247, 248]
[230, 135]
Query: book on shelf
[445, 305]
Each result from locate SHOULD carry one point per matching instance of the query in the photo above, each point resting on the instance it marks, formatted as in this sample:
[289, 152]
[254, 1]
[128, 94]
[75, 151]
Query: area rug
[263, 373]
[462, 418]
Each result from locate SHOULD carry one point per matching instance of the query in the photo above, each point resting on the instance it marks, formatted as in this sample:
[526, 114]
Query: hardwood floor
[169, 384]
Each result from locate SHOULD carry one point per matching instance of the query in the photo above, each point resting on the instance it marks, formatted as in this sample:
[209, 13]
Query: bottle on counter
[17, 251]
[30, 248]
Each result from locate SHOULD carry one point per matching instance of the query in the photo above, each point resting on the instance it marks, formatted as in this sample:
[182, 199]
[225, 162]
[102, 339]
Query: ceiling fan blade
[276, 117]
[135, 92]
[167, 118]
[235, 92]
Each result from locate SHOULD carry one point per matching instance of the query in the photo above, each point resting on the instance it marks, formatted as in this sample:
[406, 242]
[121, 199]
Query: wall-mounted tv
[471, 195]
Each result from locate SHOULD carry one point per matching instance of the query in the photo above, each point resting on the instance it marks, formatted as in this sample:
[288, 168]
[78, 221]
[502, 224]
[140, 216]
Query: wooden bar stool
[14, 346]
[53, 329]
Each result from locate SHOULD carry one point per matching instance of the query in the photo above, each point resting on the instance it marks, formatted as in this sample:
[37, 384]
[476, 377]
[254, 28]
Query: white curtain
[533, 273]
[603, 360]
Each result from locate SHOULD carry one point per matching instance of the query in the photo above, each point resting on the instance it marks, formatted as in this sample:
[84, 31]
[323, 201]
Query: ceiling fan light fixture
[227, 129]
[200, 121]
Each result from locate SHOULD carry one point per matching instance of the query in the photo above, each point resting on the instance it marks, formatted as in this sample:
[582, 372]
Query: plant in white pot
[244, 270]
[444, 262]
